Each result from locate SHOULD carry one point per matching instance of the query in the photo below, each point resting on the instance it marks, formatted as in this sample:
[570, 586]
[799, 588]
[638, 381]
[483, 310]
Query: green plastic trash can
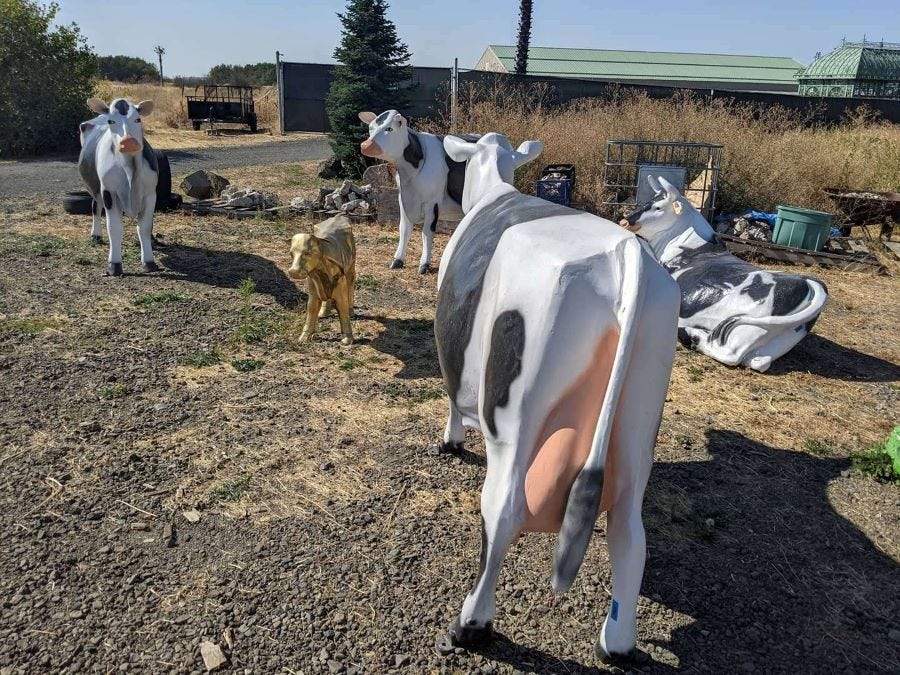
[802, 228]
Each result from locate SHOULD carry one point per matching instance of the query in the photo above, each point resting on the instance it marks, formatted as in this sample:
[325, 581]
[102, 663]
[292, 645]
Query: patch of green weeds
[113, 391]
[247, 365]
[684, 441]
[367, 281]
[387, 239]
[349, 362]
[209, 357]
[816, 447]
[83, 261]
[427, 394]
[231, 490]
[882, 462]
[251, 327]
[42, 245]
[167, 298]
[27, 326]
[695, 373]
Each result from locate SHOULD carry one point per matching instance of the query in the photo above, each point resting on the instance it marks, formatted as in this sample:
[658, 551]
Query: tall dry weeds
[771, 155]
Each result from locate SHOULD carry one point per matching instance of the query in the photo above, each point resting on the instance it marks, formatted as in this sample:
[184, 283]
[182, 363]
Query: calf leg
[406, 228]
[145, 234]
[96, 225]
[312, 314]
[114, 231]
[342, 302]
[428, 230]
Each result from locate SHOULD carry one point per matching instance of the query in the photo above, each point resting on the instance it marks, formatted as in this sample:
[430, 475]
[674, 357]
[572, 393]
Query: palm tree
[524, 37]
[160, 50]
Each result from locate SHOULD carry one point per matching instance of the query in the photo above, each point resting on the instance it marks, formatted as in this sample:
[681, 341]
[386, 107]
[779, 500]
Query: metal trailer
[221, 103]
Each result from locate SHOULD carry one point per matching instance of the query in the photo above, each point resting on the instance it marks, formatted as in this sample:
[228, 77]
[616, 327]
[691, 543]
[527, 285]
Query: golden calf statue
[327, 260]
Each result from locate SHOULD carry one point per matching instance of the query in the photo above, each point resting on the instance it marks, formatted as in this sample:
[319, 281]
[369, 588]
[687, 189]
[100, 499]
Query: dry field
[331, 540]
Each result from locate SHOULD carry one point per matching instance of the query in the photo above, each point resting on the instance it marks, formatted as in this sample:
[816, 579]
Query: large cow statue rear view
[556, 335]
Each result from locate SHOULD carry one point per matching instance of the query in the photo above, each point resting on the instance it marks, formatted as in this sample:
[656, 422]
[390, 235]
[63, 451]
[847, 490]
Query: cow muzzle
[129, 144]
[370, 148]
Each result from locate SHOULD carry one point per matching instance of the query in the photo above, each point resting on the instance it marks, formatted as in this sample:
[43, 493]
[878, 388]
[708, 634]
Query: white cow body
[731, 310]
[120, 170]
[555, 333]
[430, 183]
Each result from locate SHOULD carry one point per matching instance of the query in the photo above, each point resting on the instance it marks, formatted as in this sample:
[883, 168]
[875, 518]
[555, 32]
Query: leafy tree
[373, 63]
[524, 41]
[127, 69]
[255, 74]
[46, 75]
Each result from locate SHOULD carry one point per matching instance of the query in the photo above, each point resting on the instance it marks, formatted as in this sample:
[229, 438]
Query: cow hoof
[634, 657]
[96, 239]
[347, 341]
[396, 264]
[465, 637]
[150, 267]
[450, 448]
[114, 269]
[424, 269]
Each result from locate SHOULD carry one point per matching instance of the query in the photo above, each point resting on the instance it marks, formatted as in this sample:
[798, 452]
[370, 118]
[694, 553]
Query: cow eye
[389, 129]
[138, 120]
[112, 121]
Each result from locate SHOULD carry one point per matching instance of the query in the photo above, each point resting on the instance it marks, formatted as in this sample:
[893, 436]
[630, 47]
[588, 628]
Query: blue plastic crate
[555, 190]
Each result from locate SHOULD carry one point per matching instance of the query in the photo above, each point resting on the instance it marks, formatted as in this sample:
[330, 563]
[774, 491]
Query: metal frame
[224, 93]
[701, 162]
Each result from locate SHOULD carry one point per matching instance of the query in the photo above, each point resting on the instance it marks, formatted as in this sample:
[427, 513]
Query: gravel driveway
[31, 177]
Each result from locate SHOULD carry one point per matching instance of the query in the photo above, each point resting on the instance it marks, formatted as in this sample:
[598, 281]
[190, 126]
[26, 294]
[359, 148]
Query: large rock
[330, 168]
[204, 184]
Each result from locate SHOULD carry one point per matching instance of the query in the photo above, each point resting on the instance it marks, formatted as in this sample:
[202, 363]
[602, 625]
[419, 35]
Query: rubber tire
[79, 203]
[196, 124]
[163, 182]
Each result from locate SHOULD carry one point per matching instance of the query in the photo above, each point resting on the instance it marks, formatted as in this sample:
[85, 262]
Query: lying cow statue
[120, 170]
[735, 312]
[556, 335]
[430, 182]
[327, 260]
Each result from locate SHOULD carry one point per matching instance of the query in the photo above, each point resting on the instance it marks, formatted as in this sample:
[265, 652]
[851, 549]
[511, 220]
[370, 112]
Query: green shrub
[882, 461]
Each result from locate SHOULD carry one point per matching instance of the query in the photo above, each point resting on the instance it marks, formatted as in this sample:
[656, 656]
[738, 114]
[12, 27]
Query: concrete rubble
[347, 198]
[248, 197]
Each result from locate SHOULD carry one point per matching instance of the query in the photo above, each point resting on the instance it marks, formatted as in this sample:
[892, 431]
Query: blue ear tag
[614, 611]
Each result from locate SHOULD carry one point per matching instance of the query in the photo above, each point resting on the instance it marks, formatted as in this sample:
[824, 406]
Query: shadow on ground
[410, 341]
[778, 582]
[226, 269]
[821, 356]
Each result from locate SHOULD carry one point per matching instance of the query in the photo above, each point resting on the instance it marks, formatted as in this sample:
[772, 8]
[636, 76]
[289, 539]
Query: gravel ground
[329, 541]
[47, 177]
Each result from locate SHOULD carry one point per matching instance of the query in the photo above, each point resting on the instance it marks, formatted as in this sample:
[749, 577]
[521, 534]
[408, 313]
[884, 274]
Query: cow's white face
[490, 162]
[664, 217]
[123, 119]
[388, 135]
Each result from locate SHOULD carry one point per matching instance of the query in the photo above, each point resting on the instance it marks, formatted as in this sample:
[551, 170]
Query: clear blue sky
[198, 34]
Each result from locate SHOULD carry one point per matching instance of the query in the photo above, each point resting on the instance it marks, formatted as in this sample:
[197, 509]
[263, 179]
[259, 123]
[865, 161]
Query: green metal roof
[609, 64]
[857, 61]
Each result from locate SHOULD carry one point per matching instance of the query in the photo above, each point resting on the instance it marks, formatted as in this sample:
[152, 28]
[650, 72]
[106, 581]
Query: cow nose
[370, 148]
[129, 144]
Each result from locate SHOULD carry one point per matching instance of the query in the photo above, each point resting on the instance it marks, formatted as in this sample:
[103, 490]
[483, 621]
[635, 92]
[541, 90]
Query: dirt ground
[331, 540]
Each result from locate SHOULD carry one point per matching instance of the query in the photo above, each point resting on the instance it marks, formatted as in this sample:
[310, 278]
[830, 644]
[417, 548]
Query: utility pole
[159, 52]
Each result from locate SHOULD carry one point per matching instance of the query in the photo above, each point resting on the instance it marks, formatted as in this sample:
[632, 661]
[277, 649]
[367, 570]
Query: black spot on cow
[121, 105]
[456, 171]
[758, 288]
[791, 293]
[460, 291]
[504, 364]
[434, 219]
[412, 153]
[382, 117]
[107, 199]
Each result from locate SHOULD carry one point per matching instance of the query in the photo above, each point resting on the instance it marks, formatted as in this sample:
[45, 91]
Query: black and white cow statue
[430, 182]
[556, 335]
[731, 310]
[120, 170]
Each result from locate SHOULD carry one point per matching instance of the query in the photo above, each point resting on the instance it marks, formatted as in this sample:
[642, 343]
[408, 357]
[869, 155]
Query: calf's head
[388, 135]
[665, 217]
[489, 162]
[123, 119]
[306, 254]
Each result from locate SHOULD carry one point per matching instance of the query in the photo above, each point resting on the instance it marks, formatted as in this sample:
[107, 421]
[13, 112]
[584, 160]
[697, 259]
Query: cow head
[123, 119]
[388, 135]
[665, 217]
[489, 162]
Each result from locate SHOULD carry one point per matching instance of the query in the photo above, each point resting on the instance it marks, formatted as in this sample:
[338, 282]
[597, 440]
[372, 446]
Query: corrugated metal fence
[304, 88]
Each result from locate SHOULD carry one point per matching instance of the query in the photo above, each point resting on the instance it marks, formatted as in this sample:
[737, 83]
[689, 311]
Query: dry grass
[771, 157]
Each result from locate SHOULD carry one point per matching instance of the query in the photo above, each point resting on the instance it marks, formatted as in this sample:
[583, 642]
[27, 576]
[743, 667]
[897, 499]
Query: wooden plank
[855, 262]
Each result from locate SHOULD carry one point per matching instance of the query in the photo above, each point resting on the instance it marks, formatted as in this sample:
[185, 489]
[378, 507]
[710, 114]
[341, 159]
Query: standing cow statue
[120, 170]
[430, 182]
[556, 336]
[735, 312]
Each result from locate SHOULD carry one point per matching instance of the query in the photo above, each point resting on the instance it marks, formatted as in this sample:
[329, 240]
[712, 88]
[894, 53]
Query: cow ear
[145, 108]
[97, 106]
[654, 184]
[458, 149]
[672, 193]
[526, 152]
[367, 117]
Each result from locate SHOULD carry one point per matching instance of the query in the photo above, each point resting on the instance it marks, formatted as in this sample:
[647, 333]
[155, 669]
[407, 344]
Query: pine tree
[373, 62]
[521, 66]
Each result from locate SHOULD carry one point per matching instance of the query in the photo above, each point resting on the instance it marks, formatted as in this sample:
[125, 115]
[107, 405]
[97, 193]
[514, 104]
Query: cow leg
[96, 222]
[631, 457]
[114, 232]
[502, 518]
[406, 228]
[145, 234]
[454, 432]
[429, 227]
[312, 314]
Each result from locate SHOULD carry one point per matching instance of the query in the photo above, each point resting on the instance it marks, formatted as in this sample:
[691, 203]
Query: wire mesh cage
[694, 165]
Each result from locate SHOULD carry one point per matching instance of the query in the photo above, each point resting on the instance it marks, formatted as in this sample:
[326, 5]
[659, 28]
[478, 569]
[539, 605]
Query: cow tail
[583, 502]
[812, 309]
